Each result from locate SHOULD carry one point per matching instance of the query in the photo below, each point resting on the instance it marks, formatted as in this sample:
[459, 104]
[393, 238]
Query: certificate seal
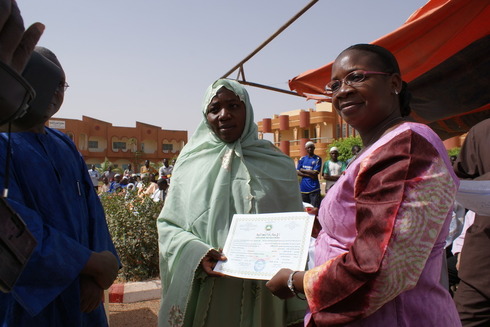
[259, 265]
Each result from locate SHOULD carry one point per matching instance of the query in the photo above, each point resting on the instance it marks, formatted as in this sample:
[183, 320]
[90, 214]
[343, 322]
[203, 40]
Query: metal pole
[272, 37]
[270, 88]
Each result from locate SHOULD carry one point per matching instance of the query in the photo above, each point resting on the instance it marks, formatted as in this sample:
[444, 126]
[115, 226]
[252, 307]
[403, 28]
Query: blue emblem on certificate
[259, 265]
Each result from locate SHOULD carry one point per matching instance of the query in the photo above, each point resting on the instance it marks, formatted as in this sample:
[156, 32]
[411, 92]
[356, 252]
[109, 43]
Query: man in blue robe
[75, 259]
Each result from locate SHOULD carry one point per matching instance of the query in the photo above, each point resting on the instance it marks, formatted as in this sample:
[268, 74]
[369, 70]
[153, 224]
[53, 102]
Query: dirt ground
[141, 314]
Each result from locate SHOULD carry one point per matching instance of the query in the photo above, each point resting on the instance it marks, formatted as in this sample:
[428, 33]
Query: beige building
[322, 125]
[97, 140]
[292, 129]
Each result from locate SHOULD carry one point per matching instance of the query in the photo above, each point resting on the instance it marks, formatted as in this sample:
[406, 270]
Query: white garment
[158, 195]
[335, 168]
[94, 176]
[458, 243]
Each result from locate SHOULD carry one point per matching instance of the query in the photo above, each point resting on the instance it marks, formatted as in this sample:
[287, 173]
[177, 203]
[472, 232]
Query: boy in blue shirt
[309, 169]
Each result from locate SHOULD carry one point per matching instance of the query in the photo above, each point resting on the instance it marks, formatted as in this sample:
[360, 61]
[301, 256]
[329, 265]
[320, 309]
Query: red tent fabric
[443, 52]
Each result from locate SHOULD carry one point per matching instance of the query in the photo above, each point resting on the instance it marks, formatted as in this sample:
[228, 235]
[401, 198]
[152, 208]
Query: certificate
[475, 196]
[259, 245]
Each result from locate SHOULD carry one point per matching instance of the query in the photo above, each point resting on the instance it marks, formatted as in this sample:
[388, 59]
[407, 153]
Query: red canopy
[443, 53]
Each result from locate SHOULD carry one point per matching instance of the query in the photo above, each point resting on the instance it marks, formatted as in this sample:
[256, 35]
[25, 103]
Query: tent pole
[272, 37]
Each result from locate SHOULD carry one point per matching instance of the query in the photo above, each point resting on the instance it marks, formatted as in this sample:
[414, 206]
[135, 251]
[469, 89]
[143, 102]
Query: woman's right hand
[210, 260]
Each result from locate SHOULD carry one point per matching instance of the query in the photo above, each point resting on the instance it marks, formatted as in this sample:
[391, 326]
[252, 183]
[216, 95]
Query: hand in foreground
[102, 267]
[278, 285]
[209, 262]
[16, 45]
[91, 294]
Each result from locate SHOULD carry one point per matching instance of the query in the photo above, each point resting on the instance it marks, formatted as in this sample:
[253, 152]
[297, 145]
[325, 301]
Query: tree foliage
[453, 152]
[345, 146]
[132, 224]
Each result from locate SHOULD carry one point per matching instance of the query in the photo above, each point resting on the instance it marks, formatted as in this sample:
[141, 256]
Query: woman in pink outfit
[380, 251]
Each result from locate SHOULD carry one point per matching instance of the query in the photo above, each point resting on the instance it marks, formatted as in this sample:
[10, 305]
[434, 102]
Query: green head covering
[211, 181]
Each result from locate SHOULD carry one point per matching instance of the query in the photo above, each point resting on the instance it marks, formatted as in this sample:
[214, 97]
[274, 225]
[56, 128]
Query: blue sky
[152, 60]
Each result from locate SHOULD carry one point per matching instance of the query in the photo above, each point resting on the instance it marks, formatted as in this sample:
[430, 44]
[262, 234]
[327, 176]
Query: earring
[396, 92]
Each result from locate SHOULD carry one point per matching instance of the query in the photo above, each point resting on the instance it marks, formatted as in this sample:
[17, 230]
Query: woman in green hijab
[223, 170]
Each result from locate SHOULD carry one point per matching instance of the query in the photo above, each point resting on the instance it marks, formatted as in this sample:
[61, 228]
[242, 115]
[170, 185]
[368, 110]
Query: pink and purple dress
[380, 251]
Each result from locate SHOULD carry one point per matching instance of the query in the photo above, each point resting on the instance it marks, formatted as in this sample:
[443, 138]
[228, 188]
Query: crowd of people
[379, 254]
[141, 184]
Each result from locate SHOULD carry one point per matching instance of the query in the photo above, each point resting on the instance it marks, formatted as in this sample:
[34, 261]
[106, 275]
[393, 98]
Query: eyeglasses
[63, 86]
[353, 79]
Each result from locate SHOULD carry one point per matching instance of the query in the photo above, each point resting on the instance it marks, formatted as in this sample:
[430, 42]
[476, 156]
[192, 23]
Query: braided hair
[388, 64]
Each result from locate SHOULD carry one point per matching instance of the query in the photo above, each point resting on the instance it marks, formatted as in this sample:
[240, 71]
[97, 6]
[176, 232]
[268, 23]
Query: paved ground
[140, 314]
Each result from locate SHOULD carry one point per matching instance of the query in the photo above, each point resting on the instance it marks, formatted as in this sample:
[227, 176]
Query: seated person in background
[149, 186]
[105, 185]
[128, 171]
[109, 174]
[115, 185]
[161, 192]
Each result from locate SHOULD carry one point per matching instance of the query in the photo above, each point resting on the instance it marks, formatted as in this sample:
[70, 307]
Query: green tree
[131, 221]
[453, 152]
[345, 146]
[105, 166]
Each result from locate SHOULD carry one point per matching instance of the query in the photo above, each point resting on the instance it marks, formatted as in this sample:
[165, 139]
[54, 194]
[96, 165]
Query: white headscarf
[211, 181]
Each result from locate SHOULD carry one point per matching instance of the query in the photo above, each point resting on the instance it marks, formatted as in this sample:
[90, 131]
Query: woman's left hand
[210, 260]
[278, 285]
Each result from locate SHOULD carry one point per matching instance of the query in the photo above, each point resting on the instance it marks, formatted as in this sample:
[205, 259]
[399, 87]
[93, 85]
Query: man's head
[45, 73]
[147, 163]
[355, 149]
[310, 148]
[92, 167]
[334, 154]
[165, 162]
[117, 178]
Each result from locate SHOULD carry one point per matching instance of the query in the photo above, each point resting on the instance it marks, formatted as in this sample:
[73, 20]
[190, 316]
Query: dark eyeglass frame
[63, 86]
[354, 78]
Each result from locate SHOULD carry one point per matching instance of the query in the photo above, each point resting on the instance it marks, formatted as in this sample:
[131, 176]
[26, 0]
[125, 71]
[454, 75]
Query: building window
[93, 144]
[167, 147]
[119, 145]
[306, 133]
